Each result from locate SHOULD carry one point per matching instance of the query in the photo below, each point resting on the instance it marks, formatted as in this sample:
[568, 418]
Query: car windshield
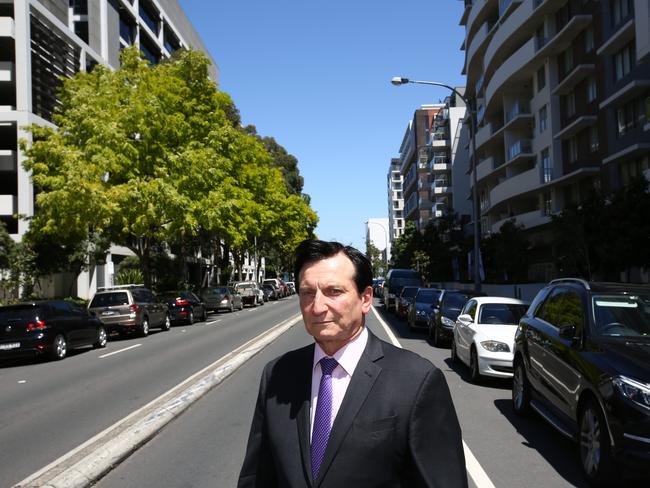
[245, 286]
[401, 282]
[428, 296]
[110, 299]
[622, 315]
[211, 292]
[501, 313]
[18, 313]
[409, 292]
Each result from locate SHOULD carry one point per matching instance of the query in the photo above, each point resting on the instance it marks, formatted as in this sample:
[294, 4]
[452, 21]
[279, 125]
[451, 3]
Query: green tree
[376, 259]
[505, 254]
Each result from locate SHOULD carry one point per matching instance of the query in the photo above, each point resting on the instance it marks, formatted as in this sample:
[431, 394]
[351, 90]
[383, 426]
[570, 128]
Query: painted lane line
[119, 351]
[88, 462]
[473, 467]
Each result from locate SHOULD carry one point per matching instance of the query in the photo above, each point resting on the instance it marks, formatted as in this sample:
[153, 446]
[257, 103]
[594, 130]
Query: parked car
[406, 297]
[48, 327]
[582, 361]
[484, 335]
[396, 279]
[424, 302]
[221, 298]
[130, 309]
[185, 306]
[263, 296]
[442, 320]
[291, 286]
[378, 288]
[249, 293]
[275, 282]
[271, 291]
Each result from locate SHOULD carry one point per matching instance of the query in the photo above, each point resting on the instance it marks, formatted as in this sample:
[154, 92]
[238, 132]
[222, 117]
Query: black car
[48, 327]
[582, 361]
[184, 306]
[406, 297]
[420, 311]
[443, 317]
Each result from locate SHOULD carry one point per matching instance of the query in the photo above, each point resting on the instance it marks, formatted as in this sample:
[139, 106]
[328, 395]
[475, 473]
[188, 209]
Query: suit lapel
[365, 375]
[303, 418]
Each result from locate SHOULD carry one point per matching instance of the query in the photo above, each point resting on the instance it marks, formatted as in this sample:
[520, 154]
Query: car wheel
[167, 323]
[595, 449]
[190, 317]
[520, 389]
[454, 354]
[474, 372]
[59, 348]
[241, 306]
[102, 338]
[232, 307]
[204, 317]
[144, 327]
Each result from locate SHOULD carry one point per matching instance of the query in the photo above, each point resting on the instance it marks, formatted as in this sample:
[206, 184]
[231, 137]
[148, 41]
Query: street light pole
[475, 203]
[385, 242]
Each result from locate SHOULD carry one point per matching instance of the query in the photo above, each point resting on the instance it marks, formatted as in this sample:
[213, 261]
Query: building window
[570, 104]
[567, 60]
[543, 119]
[621, 10]
[623, 62]
[589, 40]
[547, 203]
[593, 139]
[399, 195]
[395, 204]
[633, 169]
[541, 78]
[547, 168]
[573, 149]
[630, 115]
[592, 90]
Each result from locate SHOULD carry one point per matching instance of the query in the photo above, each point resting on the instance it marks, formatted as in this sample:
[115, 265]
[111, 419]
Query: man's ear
[366, 299]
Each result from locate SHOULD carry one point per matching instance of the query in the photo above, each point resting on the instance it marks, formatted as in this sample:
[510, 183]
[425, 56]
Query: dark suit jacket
[396, 427]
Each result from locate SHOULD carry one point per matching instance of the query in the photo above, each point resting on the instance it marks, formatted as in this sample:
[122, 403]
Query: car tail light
[134, 307]
[37, 325]
[226, 297]
[182, 302]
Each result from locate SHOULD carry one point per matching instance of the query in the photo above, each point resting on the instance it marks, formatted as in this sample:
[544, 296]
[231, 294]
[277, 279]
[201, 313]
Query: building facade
[394, 184]
[562, 93]
[42, 40]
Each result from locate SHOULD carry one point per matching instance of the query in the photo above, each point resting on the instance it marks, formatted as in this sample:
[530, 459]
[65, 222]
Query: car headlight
[633, 390]
[495, 346]
[446, 322]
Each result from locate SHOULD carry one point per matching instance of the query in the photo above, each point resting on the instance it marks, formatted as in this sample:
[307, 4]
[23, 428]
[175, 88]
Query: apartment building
[561, 90]
[394, 184]
[42, 40]
[414, 164]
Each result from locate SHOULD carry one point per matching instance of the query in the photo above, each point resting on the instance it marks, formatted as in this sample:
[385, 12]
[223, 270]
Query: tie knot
[327, 365]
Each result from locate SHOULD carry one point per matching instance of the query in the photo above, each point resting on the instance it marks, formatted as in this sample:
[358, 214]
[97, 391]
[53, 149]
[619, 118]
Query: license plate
[108, 312]
[10, 345]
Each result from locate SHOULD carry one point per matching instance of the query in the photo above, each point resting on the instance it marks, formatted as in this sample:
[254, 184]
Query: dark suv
[582, 361]
[130, 308]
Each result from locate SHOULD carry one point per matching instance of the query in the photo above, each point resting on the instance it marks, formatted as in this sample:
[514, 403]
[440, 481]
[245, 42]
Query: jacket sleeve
[258, 469]
[435, 441]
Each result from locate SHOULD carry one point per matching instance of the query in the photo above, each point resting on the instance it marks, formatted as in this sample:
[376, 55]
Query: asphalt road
[205, 446]
[49, 408]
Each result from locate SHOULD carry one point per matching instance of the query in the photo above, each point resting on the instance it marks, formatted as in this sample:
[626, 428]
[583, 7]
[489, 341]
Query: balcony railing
[522, 146]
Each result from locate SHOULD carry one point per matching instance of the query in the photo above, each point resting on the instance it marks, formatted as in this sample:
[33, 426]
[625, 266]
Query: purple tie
[323, 417]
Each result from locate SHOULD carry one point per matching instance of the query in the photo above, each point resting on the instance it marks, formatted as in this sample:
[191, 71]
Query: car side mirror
[567, 331]
[465, 318]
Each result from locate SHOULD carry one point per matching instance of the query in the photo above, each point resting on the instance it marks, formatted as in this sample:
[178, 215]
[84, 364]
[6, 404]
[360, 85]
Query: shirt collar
[348, 356]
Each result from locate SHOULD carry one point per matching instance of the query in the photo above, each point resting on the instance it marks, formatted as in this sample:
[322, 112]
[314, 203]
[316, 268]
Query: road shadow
[486, 381]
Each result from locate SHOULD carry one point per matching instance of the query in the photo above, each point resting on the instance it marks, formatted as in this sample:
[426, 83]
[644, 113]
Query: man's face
[331, 306]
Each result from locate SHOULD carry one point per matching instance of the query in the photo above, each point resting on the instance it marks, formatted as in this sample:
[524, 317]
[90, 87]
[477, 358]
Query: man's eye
[335, 292]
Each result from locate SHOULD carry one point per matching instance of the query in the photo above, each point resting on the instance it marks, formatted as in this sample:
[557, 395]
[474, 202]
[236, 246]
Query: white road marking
[119, 351]
[22, 382]
[474, 469]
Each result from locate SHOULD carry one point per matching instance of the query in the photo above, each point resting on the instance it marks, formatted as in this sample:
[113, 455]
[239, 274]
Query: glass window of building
[593, 139]
[570, 106]
[623, 62]
[547, 202]
[621, 10]
[589, 40]
[541, 78]
[543, 118]
[547, 168]
[572, 149]
[592, 90]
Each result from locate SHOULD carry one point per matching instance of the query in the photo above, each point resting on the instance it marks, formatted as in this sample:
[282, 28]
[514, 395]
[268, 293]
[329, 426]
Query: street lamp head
[399, 81]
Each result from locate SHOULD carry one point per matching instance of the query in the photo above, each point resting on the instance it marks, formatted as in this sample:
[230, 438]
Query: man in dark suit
[350, 410]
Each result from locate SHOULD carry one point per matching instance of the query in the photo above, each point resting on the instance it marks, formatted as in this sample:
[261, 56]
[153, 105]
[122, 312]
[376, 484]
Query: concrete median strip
[94, 458]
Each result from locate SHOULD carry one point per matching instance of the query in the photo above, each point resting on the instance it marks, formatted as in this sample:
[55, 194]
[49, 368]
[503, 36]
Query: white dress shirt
[347, 358]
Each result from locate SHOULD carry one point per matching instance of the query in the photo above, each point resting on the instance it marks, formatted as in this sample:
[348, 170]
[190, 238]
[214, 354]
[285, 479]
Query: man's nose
[318, 305]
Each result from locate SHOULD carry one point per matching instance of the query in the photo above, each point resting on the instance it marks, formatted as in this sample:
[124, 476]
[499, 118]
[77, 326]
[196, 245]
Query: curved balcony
[479, 13]
[515, 69]
[575, 76]
[576, 126]
[514, 30]
[479, 43]
[559, 42]
[528, 220]
[514, 186]
[487, 167]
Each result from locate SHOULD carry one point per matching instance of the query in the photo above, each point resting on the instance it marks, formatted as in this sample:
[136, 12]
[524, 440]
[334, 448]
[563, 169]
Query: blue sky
[315, 75]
